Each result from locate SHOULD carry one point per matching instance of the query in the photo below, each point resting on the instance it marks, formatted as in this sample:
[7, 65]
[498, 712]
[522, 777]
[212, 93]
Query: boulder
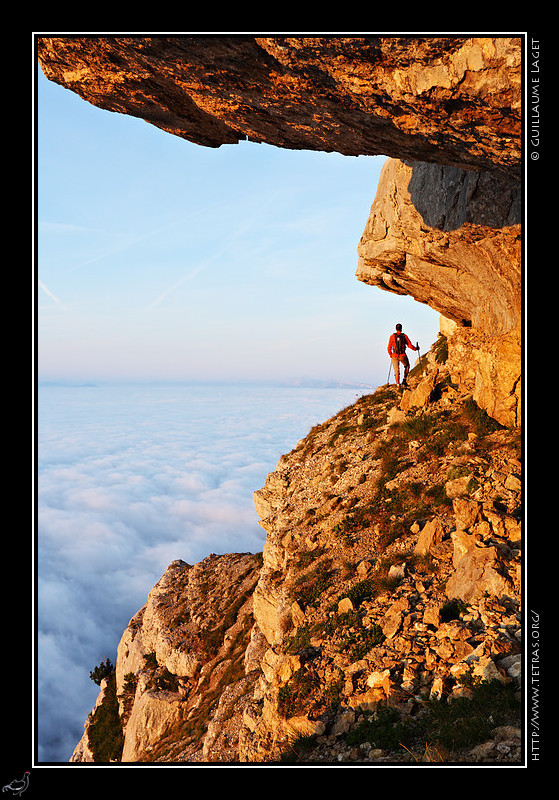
[431, 535]
[478, 571]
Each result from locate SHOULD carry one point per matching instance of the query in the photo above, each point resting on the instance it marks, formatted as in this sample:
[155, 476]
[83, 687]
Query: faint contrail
[52, 296]
[185, 278]
[172, 288]
[142, 238]
[246, 226]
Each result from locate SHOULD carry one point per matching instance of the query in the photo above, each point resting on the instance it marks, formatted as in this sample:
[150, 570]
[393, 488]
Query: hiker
[397, 351]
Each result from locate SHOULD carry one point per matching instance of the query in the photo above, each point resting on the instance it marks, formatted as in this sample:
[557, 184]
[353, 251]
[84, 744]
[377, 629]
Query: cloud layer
[129, 479]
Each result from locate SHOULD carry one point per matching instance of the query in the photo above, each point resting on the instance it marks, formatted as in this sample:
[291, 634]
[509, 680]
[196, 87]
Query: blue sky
[159, 259]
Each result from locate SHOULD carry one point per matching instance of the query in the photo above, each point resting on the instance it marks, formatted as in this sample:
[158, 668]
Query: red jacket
[392, 344]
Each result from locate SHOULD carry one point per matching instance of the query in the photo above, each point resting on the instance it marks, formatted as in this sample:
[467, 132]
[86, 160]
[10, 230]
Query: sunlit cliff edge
[390, 583]
[390, 577]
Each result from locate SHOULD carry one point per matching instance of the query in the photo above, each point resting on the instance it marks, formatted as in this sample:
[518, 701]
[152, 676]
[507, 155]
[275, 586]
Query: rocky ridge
[387, 595]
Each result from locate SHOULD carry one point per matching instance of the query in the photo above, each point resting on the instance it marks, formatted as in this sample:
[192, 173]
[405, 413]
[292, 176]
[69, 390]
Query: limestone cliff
[390, 577]
[445, 99]
[389, 584]
[452, 239]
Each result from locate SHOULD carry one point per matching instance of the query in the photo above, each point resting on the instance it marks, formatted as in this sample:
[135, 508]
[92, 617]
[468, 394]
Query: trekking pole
[389, 368]
[419, 355]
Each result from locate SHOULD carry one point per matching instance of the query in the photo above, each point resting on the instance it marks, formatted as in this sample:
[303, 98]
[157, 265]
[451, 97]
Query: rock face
[452, 239]
[177, 657]
[445, 226]
[390, 577]
[451, 100]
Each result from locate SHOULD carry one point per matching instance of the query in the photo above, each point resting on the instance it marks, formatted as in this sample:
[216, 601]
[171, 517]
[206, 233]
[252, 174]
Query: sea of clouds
[129, 479]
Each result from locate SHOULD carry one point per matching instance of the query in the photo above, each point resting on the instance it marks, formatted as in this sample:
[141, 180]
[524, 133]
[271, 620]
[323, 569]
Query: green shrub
[437, 495]
[364, 590]
[300, 746]
[421, 426]
[450, 434]
[365, 640]
[386, 730]
[453, 726]
[333, 691]
[130, 683]
[465, 722]
[102, 671]
[306, 557]
[341, 430]
[300, 639]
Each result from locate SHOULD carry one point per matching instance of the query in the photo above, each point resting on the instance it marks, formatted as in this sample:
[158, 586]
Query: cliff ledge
[388, 592]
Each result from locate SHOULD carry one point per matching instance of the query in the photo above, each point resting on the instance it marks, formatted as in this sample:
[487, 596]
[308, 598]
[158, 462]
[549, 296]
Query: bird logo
[17, 787]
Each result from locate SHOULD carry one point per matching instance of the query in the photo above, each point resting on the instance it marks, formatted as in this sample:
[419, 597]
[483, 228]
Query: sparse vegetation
[343, 540]
[440, 349]
[310, 585]
[164, 681]
[437, 495]
[441, 728]
[479, 419]
[294, 750]
[105, 729]
[361, 639]
[307, 557]
[342, 430]
[295, 695]
[465, 722]
[385, 729]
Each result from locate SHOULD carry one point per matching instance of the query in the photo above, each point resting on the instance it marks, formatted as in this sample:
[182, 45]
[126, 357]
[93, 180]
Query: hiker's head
[398, 327]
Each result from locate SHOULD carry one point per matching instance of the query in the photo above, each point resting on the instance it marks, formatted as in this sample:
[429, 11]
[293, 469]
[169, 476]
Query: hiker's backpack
[399, 344]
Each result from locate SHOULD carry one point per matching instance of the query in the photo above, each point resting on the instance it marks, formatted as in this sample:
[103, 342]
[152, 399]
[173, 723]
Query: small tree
[102, 671]
[104, 732]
